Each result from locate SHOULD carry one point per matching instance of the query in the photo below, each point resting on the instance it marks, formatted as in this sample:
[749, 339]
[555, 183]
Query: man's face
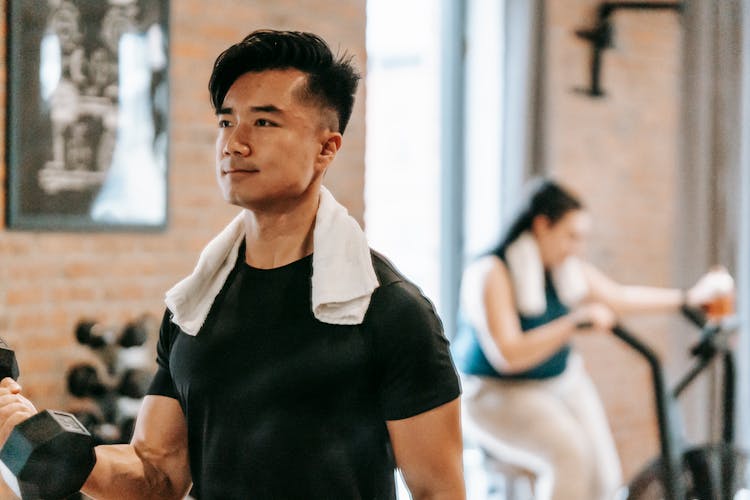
[271, 145]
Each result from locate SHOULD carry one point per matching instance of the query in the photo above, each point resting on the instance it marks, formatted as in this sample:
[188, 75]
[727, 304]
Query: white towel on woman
[527, 274]
[343, 276]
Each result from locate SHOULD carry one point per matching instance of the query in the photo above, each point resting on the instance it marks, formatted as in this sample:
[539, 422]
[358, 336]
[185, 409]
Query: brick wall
[50, 280]
[620, 154]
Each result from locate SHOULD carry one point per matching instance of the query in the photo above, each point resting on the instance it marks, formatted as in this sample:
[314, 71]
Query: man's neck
[274, 238]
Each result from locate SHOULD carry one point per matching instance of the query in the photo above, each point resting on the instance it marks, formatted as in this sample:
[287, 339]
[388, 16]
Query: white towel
[527, 274]
[343, 275]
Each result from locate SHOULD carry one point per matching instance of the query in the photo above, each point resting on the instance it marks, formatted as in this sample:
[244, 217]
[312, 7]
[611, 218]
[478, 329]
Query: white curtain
[713, 162]
[523, 97]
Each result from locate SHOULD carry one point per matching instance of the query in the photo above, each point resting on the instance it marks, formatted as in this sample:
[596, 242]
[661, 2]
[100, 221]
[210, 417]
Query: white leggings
[556, 428]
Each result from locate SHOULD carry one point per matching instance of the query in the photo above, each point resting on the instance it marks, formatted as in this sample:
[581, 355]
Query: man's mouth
[240, 170]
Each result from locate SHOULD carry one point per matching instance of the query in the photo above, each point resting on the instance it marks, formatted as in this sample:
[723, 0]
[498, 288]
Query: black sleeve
[162, 384]
[414, 369]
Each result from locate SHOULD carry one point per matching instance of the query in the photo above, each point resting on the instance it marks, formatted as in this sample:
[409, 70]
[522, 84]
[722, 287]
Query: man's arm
[429, 450]
[154, 465]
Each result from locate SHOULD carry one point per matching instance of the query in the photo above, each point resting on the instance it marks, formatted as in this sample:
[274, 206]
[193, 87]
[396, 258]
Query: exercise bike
[714, 471]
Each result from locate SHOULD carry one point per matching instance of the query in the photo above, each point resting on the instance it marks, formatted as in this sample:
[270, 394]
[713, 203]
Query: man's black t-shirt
[280, 405]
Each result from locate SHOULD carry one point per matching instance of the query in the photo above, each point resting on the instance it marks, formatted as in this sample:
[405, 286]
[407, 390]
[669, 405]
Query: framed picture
[87, 122]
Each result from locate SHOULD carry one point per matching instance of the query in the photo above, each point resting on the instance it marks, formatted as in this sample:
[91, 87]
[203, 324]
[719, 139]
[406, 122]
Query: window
[412, 179]
[484, 125]
[402, 179]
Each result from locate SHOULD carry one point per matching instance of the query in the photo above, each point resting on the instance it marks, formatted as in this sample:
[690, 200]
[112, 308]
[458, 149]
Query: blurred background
[462, 101]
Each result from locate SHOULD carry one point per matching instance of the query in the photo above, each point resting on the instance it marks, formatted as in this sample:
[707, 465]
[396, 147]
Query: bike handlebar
[696, 316]
[712, 330]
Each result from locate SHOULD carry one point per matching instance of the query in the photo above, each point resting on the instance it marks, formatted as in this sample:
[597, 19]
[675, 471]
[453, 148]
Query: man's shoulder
[385, 271]
[390, 279]
[396, 292]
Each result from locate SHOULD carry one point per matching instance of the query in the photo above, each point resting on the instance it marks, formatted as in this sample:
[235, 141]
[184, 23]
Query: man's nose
[238, 142]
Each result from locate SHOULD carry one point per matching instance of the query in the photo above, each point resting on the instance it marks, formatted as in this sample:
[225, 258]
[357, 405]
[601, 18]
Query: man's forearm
[121, 472]
[453, 494]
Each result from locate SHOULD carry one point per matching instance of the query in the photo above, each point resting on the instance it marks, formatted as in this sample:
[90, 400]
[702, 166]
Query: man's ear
[329, 148]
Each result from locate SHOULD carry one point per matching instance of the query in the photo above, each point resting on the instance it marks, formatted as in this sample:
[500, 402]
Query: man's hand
[14, 408]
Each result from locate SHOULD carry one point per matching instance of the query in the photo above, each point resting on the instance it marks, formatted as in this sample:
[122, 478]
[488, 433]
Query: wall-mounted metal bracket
[602, 34]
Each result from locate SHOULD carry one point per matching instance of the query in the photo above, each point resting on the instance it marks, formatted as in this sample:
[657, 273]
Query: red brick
[23, 296]
[73, 293]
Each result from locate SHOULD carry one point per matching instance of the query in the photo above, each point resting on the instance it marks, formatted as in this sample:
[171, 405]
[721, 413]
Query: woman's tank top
[470, 358]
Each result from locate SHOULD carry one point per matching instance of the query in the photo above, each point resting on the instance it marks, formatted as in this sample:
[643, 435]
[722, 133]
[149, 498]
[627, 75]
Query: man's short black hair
[331, 82]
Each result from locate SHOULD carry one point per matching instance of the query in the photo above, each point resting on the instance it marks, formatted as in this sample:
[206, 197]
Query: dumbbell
[96, 335]
[84, 381]
[47, 456]
[134, 383]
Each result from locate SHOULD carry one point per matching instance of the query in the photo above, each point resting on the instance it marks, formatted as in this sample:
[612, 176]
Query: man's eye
[224, 123]
[262, 122]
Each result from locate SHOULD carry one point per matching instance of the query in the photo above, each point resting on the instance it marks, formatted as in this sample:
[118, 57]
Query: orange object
[720, 307]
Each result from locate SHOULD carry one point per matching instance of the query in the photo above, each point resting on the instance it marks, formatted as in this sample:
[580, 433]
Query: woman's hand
[717, 283]
[595, 315]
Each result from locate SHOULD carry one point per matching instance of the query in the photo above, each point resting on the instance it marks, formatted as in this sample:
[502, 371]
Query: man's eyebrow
[267, 108]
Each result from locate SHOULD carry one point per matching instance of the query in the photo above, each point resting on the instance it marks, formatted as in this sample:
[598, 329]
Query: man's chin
[280, 200]
[253, 203]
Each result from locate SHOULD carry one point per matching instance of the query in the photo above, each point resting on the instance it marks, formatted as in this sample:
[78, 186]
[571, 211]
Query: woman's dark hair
[332, 82]
[542, 197]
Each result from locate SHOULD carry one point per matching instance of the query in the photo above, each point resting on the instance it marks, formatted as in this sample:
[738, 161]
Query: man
[293, 362]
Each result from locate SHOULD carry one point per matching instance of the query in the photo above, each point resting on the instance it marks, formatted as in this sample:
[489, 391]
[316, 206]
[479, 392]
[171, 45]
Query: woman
[525, 391]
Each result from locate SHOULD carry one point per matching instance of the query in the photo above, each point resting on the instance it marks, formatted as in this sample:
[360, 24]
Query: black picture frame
[87, 129]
